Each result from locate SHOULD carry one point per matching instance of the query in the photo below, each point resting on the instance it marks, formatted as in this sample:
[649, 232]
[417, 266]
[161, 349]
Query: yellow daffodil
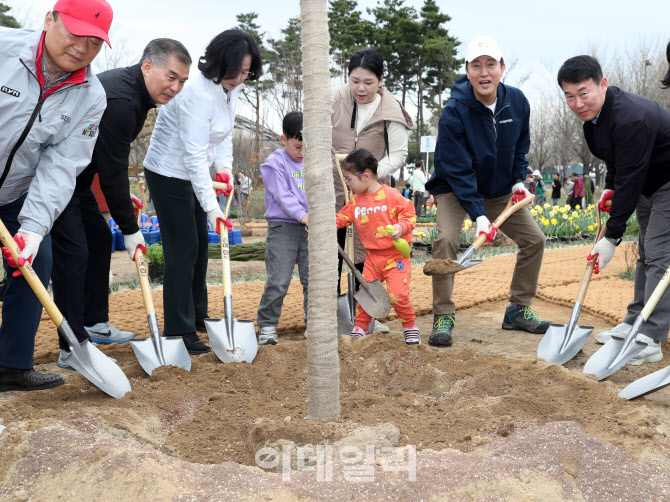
[533, 212]
[554, 221]
[565, 216]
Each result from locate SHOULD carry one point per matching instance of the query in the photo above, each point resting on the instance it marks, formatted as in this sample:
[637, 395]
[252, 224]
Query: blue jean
[21, 310]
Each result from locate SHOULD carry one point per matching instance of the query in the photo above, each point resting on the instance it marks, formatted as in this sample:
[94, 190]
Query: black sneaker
[440, 336]
[200, 325]
[521, 317]
[24, 380]
[193, 344]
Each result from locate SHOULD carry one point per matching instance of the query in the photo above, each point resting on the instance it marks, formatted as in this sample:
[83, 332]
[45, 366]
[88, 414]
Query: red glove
[485, 227]
[224, 178]
[137, 203]
[519, 192]
[607, 195]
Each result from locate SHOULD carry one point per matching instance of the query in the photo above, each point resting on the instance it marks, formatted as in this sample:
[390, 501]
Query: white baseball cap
[483, 46]
[536, 172]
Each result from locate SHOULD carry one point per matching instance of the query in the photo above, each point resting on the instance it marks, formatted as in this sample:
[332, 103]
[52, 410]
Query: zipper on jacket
[493, 118]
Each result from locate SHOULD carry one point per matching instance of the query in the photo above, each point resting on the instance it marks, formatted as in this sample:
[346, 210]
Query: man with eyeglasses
[51, 104]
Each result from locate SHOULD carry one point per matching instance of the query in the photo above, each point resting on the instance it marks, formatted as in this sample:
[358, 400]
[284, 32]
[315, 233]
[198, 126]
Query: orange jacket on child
[372, 212]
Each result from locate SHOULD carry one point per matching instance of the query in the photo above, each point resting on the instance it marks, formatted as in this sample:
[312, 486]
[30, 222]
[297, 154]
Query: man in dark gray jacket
[52, 103]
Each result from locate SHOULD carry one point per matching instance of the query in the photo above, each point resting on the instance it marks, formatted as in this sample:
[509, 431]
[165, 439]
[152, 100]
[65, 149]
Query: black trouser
[185, 248]
[341, 239]
[82, 249]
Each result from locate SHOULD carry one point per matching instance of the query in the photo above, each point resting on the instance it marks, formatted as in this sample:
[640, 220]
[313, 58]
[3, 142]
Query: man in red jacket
[577, 192]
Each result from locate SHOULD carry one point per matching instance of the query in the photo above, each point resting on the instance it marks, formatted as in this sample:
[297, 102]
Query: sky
[539, 35]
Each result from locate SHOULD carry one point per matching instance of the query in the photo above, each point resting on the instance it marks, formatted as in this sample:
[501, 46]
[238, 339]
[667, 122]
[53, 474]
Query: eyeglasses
[348, 181]
[246, 74]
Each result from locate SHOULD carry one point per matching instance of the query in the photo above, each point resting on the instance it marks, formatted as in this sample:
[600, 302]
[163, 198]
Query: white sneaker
[652, 353]
[380, 328]
[619, 331]
[267, 336]
[103, 332]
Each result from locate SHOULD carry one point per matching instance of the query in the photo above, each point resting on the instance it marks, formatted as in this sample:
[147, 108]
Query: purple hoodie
[285, 198]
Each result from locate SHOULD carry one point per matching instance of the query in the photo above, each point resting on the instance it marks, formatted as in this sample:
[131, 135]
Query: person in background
[556, 189]
[577, 191]
[589, 190]
[568, 186]
[194, 131]
[407, 191]
[419, 186]
[540, 188]
[631, 134]
[286, 212]
[81, 240]
[245, 191]
[50, 107]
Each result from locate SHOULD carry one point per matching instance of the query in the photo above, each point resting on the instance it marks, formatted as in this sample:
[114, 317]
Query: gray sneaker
[103, 332]
[65, 365]
[267, 336]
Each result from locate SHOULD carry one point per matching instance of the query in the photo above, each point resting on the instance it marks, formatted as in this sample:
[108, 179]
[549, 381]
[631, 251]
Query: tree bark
[323, 364]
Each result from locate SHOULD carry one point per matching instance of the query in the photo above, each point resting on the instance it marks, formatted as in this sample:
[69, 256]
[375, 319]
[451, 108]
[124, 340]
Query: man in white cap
[480, 162]
[51, 104]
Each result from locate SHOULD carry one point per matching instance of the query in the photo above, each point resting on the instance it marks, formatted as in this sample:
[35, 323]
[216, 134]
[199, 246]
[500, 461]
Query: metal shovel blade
[95, 366]
[235, 343]
[346, 308]
[471, 263]
[561, 342]
[613, 355]
[160, 350]
[374, 299]
[657, 380]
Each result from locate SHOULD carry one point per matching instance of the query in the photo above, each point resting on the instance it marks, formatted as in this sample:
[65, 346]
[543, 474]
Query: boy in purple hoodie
[286, 212]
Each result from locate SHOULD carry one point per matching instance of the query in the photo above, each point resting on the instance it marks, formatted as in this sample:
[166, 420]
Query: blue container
[154, 221]
[235, 237]
[120, 244]
[145, 234]
[111, 229]
[213, 237]
[154, 236]
[144, 218]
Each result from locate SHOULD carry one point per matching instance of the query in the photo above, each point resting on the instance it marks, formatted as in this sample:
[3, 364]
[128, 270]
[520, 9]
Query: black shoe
[200, 325]
[440, 336]
[17, 379]
[521, 317]
[194, 345]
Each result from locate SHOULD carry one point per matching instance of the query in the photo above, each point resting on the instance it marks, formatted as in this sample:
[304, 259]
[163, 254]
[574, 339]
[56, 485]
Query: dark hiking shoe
[193, 344]
[200, 325]
[440, 336]
[18, 379]
[521, 317]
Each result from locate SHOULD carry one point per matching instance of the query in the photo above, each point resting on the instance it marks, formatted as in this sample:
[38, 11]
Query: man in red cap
[52, 103]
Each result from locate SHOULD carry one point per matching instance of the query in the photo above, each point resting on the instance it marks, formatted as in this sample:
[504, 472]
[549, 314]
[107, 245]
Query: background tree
[349, 32]
[6, 20]
[323, 363]
[284, 58]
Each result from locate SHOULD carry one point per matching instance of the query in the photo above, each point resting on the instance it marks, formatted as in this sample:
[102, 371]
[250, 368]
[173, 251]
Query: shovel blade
[657, 380]
[99, 369]
[561, 343]
[237, 346]
[374, 300]
[610, 357]
[470, 263]
[345, 318]
[173, 349]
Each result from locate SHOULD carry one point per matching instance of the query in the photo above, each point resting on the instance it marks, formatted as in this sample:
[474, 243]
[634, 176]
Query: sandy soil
[488, 421]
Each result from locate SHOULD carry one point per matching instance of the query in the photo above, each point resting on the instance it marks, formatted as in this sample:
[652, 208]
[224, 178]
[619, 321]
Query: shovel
[346, 303]
[561, 342]
[657, 380]
[372, 296]
[617, 352]
[156, 351]
[84, 357]
[439, 267]
[232, 340]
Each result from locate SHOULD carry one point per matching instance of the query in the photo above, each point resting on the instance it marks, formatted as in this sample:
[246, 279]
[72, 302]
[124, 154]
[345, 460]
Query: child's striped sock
[412, 336]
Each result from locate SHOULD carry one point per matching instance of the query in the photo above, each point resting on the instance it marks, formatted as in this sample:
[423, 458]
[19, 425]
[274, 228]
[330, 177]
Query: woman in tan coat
[365, 115]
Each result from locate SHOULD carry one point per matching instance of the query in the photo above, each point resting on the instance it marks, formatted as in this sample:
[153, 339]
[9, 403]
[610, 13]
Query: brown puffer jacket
[371, 138]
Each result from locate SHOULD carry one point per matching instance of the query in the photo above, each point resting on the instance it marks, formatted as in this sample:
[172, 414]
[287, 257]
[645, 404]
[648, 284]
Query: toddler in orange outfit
[373, 207]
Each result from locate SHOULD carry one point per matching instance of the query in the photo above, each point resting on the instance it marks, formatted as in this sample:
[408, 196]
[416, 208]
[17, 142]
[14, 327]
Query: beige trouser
[520, 227]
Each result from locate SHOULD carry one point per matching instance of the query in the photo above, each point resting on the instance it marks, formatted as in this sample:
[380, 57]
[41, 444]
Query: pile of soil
[487, 419]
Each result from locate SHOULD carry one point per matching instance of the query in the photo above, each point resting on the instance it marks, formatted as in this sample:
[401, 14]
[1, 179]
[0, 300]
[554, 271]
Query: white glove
[604, 250]
[215, 215]
[520, 190]
[132, 242]
[484, 227]
[32, 241]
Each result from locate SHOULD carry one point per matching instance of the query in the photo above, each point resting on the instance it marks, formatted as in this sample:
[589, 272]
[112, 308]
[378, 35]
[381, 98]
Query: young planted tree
[323, 363]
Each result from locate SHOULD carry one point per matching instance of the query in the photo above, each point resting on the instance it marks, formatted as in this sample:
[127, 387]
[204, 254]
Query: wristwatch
[616, 242]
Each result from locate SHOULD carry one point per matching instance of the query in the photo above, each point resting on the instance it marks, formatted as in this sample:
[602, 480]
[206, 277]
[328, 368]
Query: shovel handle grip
[656, 295]
[509, 210]
[143, 275]
[225, 251]
[31, 277]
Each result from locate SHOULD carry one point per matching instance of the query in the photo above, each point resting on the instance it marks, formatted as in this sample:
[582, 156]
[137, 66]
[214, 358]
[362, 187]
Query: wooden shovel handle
[509, 210]
[349, 243]
[225, 250]
[219, 186]
[353, 268]
[31, 277]
[656, 295]
[588, 273]
[143, 275]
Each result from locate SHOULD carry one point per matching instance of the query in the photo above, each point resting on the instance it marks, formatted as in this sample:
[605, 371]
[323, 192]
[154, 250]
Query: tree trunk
[323, 363]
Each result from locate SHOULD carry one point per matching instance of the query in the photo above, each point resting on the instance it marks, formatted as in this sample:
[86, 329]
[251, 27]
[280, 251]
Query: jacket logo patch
[9, 91]
[90, 130]
[65, 118]
[506, 121]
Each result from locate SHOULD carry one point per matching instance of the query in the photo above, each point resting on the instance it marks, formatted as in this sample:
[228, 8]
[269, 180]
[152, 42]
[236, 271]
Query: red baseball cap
[86, 18]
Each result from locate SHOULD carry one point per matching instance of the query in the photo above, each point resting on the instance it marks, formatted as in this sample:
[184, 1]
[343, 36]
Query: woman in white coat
[193, 131]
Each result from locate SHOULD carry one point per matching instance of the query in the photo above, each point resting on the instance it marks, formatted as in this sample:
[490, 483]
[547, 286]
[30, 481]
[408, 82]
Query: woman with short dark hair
[192, 132]
[365, 115]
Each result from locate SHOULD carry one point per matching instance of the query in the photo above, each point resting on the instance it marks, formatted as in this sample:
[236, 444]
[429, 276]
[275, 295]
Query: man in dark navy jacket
[81, 239]
[480, 160]
[632, 135]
